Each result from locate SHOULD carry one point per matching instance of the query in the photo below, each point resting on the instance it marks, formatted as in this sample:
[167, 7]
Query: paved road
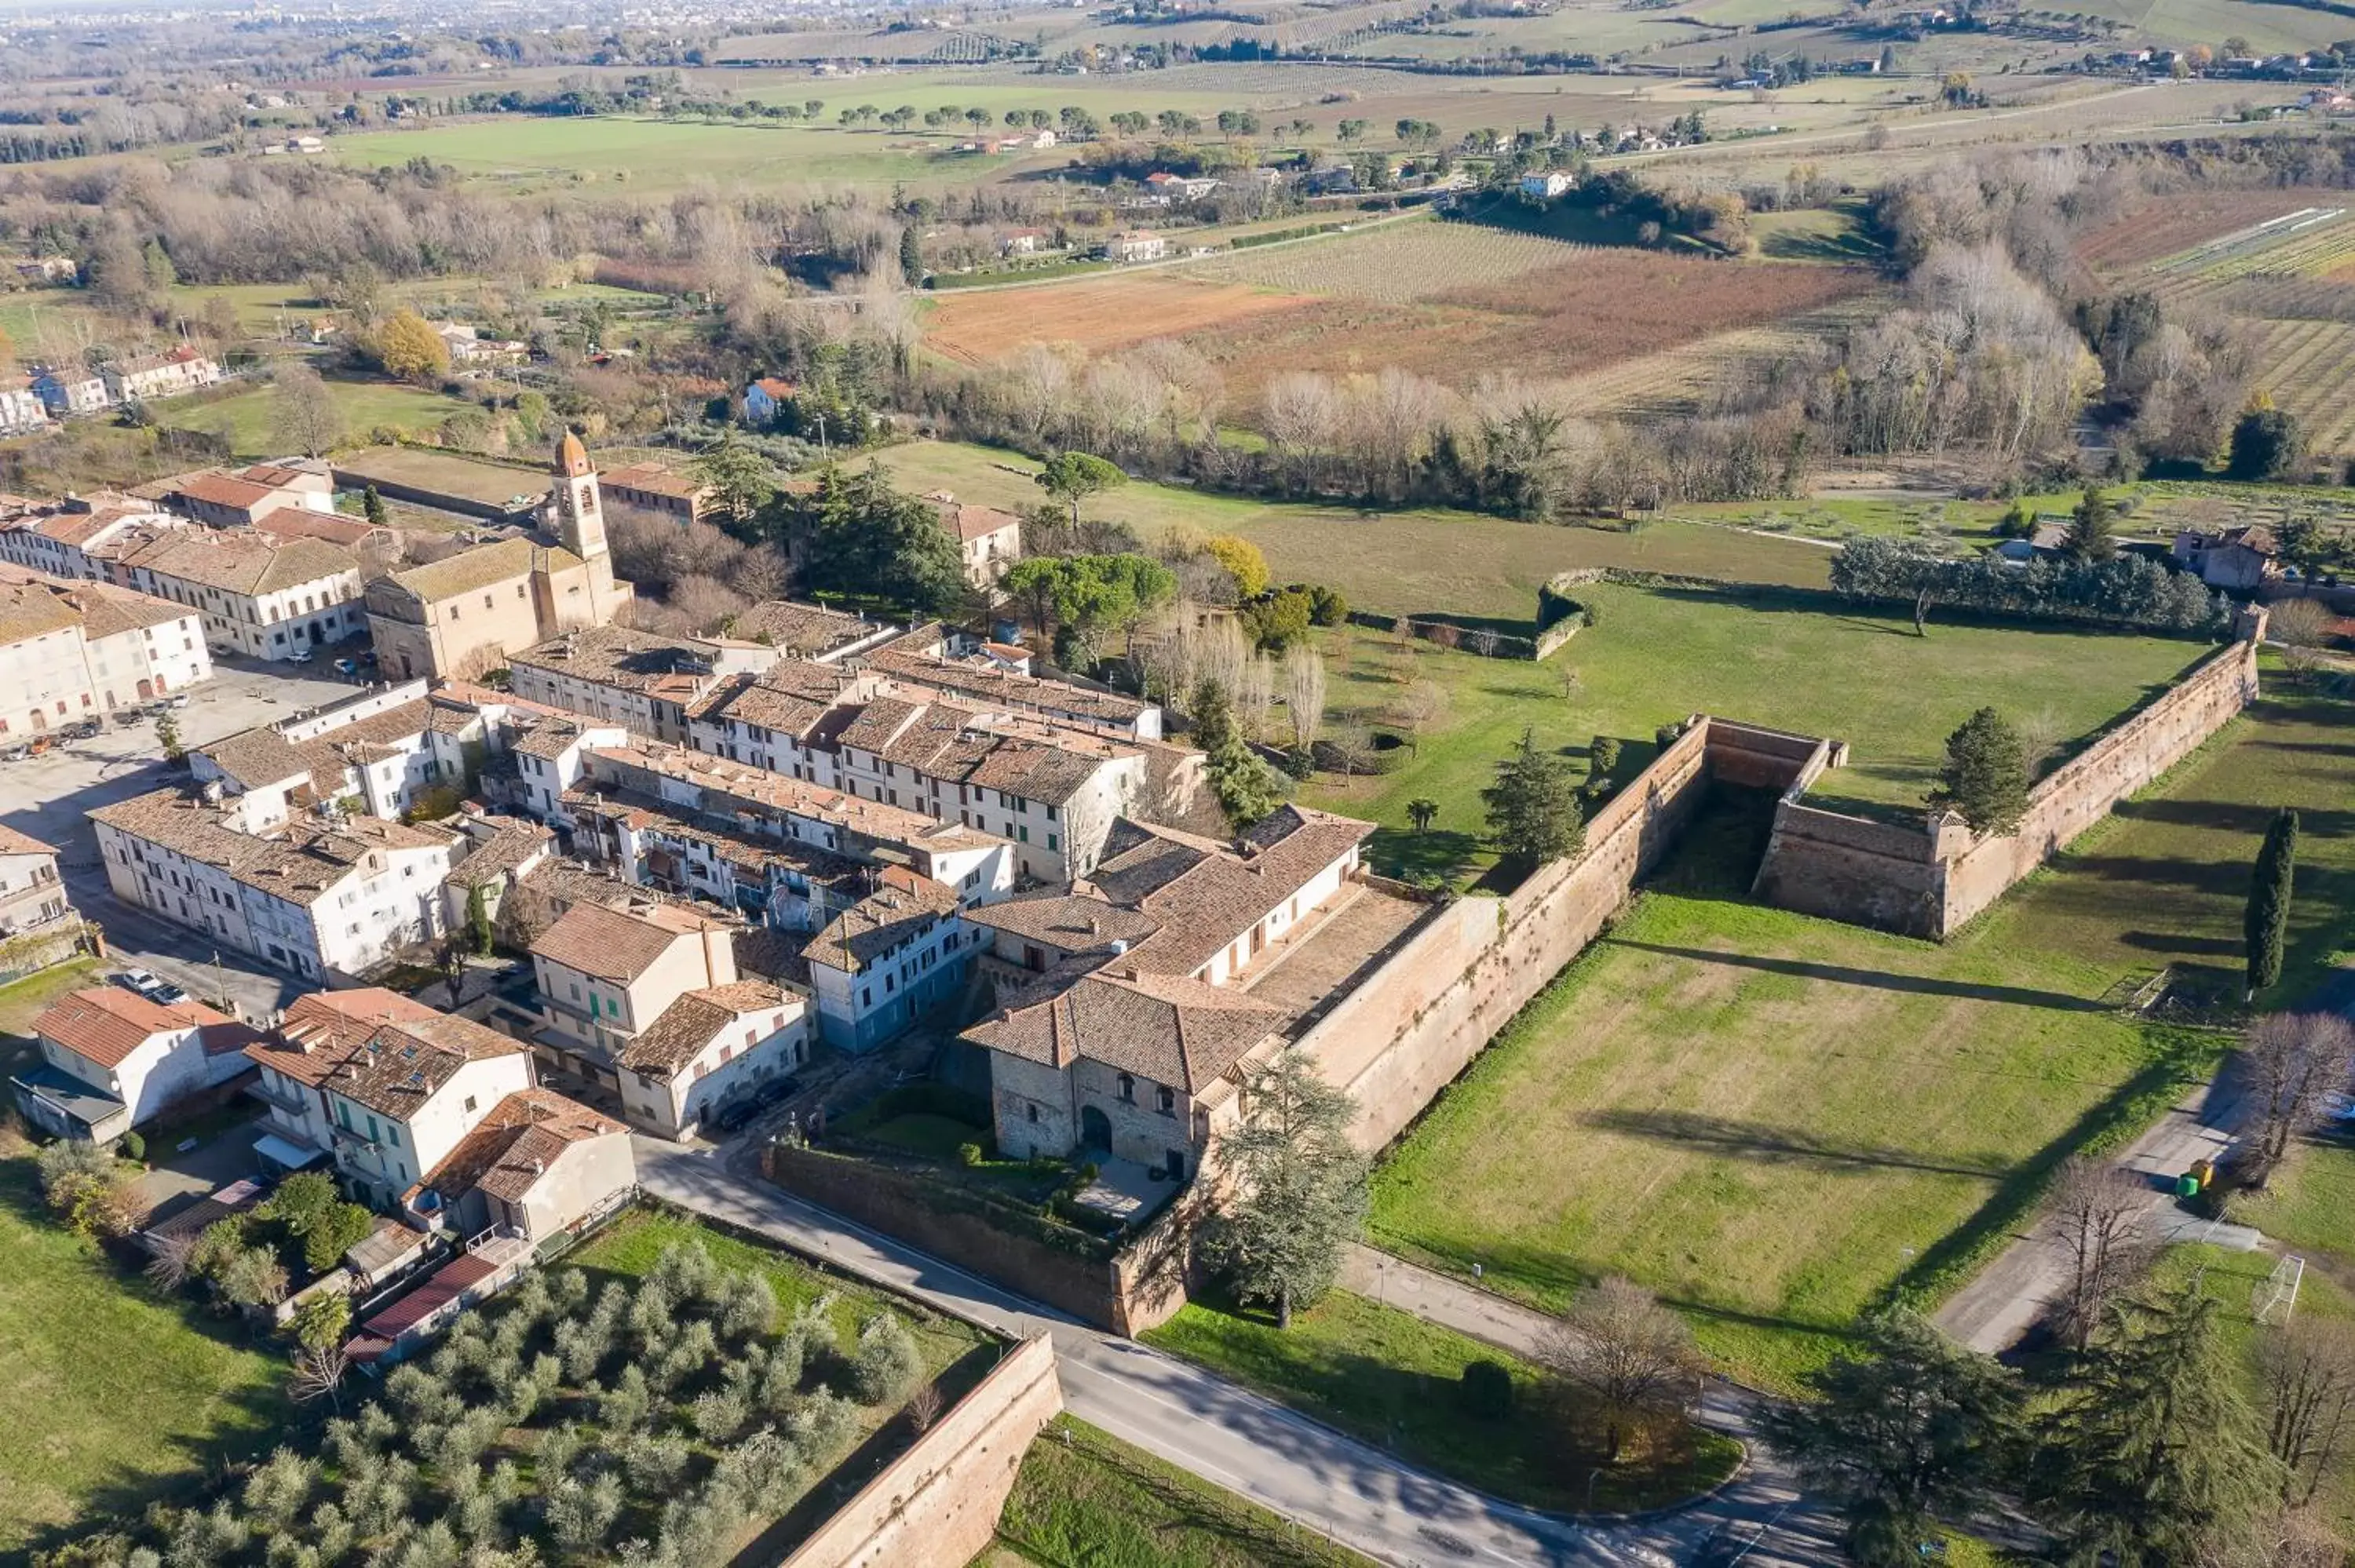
[48, 796]
[1996, 1309]
[1305, 1471]
[1762, 1507]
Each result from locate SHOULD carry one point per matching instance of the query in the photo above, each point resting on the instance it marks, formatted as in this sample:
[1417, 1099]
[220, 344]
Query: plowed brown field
[2165, 225]
[1099, 314]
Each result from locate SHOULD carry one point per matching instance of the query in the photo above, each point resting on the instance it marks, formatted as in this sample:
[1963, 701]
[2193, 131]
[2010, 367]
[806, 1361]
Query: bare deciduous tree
[2309, 1379]
[2294, 1063]
[1419, 708]
[170, 1265]
[319, 1374]
[1304, 692]
[1628, 1358]
[2302, 627]
[305, 414]
[2100, 1214]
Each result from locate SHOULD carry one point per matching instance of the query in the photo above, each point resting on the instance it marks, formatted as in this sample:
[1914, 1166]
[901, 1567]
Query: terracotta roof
[625, 660]
[971, 523]
[1071, 921]
[449, 1282]
[571, 458]
[400, 1065]
[892, 915]
[220, 490]
[611, 944]
[691, 1023]
[105, 1023]
[320, 1030]
[468, 570]
[512, 1147]
[14, 842]
[740, 788]
[806, 631]
[108, 611]
[654, 479]
[988, 683]
[243, 562]
[301, 523]
[512, 842]
[297, 862]
[253, 757]
[30, 608]
[1168, 1028]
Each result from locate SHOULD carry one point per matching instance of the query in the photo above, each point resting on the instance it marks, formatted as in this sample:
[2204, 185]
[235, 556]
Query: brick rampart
[937, 1505]
[1911, 878]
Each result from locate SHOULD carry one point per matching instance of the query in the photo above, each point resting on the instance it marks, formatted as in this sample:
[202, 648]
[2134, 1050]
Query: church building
[462, 616]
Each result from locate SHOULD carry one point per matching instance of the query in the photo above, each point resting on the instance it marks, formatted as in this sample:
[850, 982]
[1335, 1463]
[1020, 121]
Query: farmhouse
[66, 392]
[1136, 245]
[765, 399]
[21, 409]
[155, 375]
[654, 490]
[537, 1166]
[31, 896]
[988, 540]
[2239, 559]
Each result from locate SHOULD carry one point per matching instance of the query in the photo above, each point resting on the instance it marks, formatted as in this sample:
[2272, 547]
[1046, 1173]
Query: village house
[259, 596]
[789, 854]
[606, 973]
[317, 1032]
[1547, 185]
[81, 537]
[112, 1061]
[152, 377]
[31, 896]
[1024, 242]
[75, 650]
[243, 500]
[709, 1046]
[76, 391]
[2236, 559]
[469, 348]
[408, 1093]
[537, 1166]
[882, 964]
[1126, 1012]
[323, 893]
[765, 400]
[988, 540]
[462, 616]
[997, 675]
[642, 680]
[809, 631]
[21, 409]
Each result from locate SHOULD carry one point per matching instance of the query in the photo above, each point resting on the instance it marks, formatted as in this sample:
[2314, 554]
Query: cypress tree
[1533, 806]
[1986, 776]
[2267, 926]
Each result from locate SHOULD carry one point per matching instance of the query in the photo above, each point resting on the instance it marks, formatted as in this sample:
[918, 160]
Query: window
[1128, 1088]
[1052, 841]
[1034, 1112]
[470, 1102]
[1167, 1098]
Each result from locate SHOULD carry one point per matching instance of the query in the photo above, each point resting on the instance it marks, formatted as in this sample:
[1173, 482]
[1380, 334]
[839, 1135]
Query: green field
[1658, 656]
[1086, 1499]
[1415, 562]
[248, 419]
[1774, 1121]
[1395, 1381]
[655, 154]
[113, 1395]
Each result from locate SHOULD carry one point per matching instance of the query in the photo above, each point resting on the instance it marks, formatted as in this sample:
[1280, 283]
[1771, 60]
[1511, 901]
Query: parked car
[300, 656]
[347, 670]
[731, 1116]
[139, 982]
[177, 700]
[17, 753]
[130, 715]
[86, 730]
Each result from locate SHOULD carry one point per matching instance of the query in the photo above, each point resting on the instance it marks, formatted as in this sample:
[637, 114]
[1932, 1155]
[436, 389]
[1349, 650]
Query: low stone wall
[1908, 877]
[937, 1505]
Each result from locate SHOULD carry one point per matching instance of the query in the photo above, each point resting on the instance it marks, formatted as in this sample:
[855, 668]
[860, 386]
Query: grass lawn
[631, 1244]
[248, 419]
[1657, 655]
[1420, 562]
[1775, 1121]
[1388, 1377]
[1086, 1499]
[113, 1395]
[21, 1001]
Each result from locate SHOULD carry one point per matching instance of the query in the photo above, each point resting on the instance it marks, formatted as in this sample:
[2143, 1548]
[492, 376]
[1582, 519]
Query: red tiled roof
[105, 1023]
[452, 1280]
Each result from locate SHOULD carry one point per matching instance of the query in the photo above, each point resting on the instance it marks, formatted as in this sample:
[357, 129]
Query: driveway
[47, 796]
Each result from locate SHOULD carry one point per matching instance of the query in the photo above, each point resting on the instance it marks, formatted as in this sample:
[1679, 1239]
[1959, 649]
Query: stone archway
[1095, 1129]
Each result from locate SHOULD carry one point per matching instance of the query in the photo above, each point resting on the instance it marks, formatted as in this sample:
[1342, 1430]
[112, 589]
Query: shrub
[1486, 1390]
[134, 1145]
[1326, 606]
[887, 1363]
[718, 1414]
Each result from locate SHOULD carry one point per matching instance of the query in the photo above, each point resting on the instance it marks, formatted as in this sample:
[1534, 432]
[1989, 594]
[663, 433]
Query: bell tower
[579, 516]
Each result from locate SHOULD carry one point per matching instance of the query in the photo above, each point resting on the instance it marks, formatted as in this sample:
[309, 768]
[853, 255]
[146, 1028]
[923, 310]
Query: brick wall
[936, 1506]
[1903, 877]
[1411, 1027]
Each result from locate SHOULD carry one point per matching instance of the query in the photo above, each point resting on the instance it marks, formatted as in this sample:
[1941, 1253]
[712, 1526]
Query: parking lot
[46, 796]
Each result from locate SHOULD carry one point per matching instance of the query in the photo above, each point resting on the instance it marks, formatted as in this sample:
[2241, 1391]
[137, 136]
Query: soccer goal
[2274, 1296]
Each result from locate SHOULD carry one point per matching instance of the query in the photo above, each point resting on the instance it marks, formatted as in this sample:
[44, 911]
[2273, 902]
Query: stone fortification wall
[2084, 790]
[936, 1506]
[1400, 1037]
[1925, 882]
